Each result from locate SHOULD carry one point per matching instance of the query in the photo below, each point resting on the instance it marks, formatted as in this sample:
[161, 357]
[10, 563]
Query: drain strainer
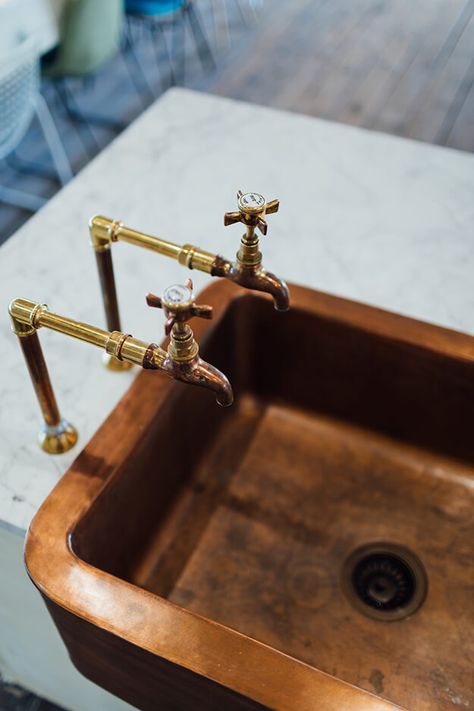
[385, 581]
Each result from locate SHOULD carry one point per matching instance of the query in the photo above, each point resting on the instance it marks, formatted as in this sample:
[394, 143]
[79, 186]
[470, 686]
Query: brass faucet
[246, 270]
[181, 360]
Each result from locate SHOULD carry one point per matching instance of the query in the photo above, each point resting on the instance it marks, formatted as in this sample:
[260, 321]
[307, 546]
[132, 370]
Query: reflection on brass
[181, 361]
[246, 270]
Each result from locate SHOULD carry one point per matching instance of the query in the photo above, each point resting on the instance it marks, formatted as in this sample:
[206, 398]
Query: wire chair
[153, 15]
[20, 101]
[248, 10]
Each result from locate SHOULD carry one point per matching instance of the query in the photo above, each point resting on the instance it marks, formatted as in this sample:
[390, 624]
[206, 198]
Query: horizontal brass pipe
[140, 239]
[25, 313]
[37, 315]
[104, 231]
[75, 329]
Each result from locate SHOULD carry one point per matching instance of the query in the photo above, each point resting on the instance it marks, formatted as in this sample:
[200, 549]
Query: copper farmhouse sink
[310, 548]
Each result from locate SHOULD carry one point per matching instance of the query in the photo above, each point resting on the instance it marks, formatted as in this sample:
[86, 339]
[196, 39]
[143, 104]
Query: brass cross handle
[177, 301]
[252, 210]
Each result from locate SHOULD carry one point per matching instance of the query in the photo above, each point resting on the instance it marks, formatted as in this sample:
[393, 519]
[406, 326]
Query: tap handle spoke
[230, 218]
[272, 206]
[262, 225]
[154, 301]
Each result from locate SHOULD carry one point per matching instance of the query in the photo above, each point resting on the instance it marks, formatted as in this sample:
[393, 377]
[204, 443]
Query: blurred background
[75, 73]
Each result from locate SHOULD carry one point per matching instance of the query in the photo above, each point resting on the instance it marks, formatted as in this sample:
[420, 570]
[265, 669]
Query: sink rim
[153, 623]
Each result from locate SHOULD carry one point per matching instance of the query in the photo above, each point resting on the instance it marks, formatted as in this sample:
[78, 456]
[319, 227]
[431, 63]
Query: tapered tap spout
[257, 279]
[198, 372]
[271, 284]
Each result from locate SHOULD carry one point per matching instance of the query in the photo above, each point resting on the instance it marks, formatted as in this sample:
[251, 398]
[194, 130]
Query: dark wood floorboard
[397, 66]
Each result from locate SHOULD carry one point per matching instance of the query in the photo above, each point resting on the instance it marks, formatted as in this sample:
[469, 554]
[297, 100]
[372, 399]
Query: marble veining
[375, 218]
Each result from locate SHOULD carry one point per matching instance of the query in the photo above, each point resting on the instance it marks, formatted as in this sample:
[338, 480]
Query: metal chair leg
[18, 198]
[178, 42]
[53, 140]
[18, 164]
[140, 82]
[28, 201]
[203, 47]
[247, 9]
[221, 24]
[159, 40]
[75, 114]
[66, 99]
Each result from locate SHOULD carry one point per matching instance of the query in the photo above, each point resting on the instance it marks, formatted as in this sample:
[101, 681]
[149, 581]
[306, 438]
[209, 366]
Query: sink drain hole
[385, 581]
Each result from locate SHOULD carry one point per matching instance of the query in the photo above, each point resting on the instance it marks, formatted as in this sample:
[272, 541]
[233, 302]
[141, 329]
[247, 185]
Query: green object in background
[90, 36]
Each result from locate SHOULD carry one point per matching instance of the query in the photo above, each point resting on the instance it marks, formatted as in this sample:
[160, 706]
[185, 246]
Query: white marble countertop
[372, 217]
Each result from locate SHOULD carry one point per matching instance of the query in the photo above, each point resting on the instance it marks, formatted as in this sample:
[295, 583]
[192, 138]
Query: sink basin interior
[340, 436]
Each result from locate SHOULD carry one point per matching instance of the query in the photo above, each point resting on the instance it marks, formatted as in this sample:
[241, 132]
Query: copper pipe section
[105, 268]
[181, 361]
[56, 435]
[107, 283]
[40, 379]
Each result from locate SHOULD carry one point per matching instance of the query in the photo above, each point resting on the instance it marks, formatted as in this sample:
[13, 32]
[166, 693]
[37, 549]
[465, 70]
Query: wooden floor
[401, 66]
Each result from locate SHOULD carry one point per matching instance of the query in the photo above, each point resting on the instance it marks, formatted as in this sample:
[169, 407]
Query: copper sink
[197, 558]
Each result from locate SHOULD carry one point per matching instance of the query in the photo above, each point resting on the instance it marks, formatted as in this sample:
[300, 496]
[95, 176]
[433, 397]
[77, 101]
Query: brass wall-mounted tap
[181, 361]
[246, 270]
